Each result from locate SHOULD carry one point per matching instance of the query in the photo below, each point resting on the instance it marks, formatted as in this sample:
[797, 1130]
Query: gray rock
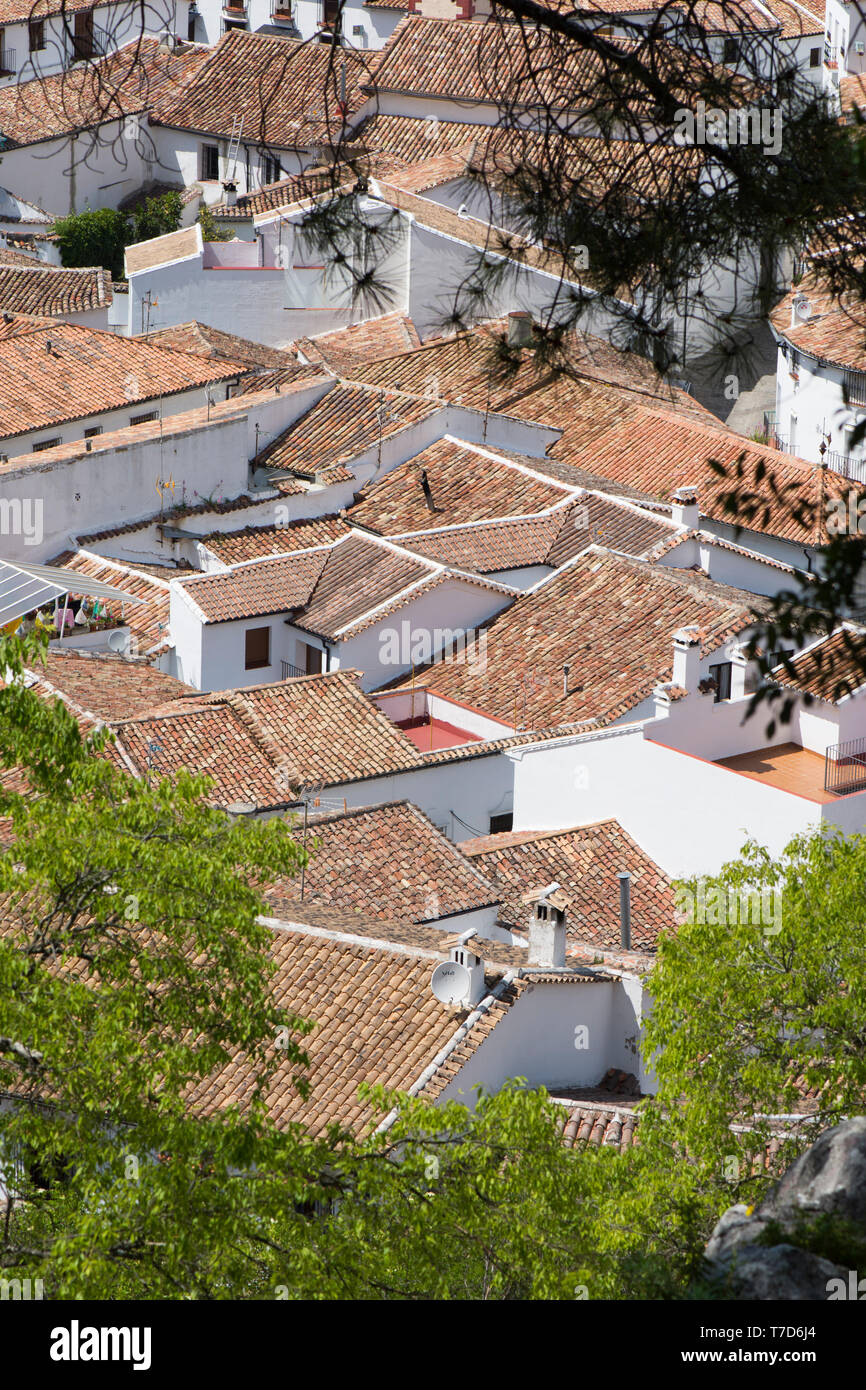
[762, 1274]
[829, 1177]
[732, 1230]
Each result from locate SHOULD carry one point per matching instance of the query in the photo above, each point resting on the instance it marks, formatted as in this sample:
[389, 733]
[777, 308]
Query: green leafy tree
[98, 236]
[210, 228]
[156, 216]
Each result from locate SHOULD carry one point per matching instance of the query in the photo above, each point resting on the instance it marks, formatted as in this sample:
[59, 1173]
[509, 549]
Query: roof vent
[48, 345]
[519, 328]
[463, 210]
[625, 910]
[684, 508]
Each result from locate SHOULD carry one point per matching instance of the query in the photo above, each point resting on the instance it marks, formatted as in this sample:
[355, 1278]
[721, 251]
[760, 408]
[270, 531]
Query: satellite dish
[118, 641]
[802, 309]
[451, 982]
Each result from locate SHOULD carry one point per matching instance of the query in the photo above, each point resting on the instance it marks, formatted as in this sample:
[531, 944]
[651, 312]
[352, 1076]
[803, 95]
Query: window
[258, 648]
[271, 170]
[330, 11]
[82, 39]
[93, 431]
[814, 57]
[776, 658]
[37, 35]
[47, 444]
[732, 51]
[854, 388]
[192, 16]
[721, 674]
[312, 660]
[210, 162]
[499, 824]
[145, 418]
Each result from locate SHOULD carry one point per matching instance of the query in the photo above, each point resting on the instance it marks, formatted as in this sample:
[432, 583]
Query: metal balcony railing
[8, 63]
[845, 767]
[849, 467]
[291, 672]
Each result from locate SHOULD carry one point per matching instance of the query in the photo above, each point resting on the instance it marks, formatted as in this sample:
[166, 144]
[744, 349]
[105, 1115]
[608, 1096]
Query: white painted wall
[811, 393]
[536, 1040]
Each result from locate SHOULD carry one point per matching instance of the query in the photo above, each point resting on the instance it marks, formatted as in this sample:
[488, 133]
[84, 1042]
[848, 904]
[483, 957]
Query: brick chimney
[547, 926]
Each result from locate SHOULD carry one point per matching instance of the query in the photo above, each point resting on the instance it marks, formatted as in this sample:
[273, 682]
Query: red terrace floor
[427, 734]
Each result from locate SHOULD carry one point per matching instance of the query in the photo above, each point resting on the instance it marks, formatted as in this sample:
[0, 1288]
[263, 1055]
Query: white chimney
[687, 658]
[739, 669]
[685, 510]
[231, 191]
[519, 328]
[459, 981]
[547, 926]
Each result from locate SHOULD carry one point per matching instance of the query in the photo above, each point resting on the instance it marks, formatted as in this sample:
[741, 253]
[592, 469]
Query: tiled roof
[628, 436]
[831, 668]
[11, 324]
[611, 620]
[68, 371]
[132, 79]
[255, 542]
[412, 138]
[289, 91]
[797, 20]
[329, 591]
[585, 861]
[550, 539]
[159, 250]
[22, 11]
[298, 187]
[347, 348]
[101, 688]
[467, 63]
[148, 620]
[464, 367]
[49, 290]
[852, 93]
[265, 743]
[377, 1023]
[8, 256]
[467, 483]
[835, 330]
[203, 417]
[387, 861]
[200, 338]
[346, 422]
[257, 587]
[432, 172]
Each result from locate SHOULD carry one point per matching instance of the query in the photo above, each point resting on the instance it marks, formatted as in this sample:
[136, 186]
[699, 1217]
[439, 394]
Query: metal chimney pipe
[565, 672]
[625, 910]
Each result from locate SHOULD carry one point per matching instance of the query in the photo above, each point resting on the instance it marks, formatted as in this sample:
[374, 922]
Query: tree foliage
[100, 236]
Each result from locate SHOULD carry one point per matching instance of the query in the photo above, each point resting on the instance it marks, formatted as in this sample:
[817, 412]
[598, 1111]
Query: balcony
[90, 43]
[282, 14]
[237, 11]
[290, 672]
[787, 767]
[833, 55]
[847, 465]
[845, 767]
[8, 63]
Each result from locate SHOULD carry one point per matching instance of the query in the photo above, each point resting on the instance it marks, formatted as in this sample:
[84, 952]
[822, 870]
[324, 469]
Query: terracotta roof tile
[387, 861]
[585, 861]
[67, 371]
[346, 422]
[265, 743]
[205, 341]
[256, 542]
[132, 79]
[466, 483]
[549, 539]
[102, 687]
[347, 348]
[829, 669]
[52, 291]
[611, 620]
[147, 620]
[289, 91]
[378, 1023]
[835, 330]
